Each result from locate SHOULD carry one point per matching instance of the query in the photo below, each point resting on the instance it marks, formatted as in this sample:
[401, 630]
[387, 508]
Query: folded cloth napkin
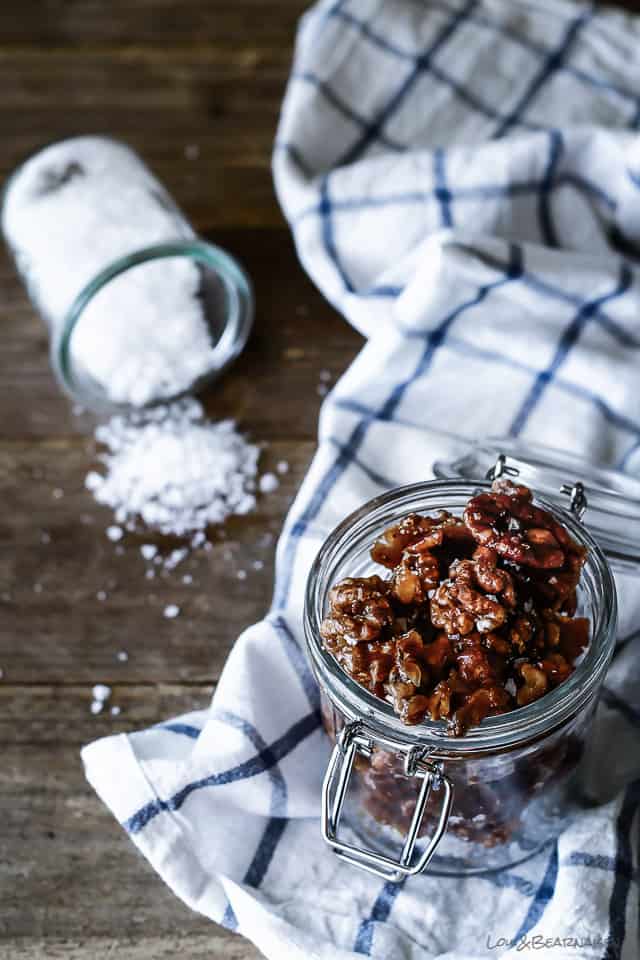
[463, 181]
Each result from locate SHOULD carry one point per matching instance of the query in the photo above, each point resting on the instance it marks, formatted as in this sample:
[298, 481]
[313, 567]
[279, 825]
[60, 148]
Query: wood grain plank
[215, 945]
[221, 104]
[67, 869]
[55, 625]
[81, 23]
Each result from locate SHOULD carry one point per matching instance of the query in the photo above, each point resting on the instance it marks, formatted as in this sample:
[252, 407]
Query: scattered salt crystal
[322, 389]
[171, 611]
[122, 656]
[257, 564]
[119, 551]
[115, 710]
[150, 574]
[175, 557]
[510, 686]
[101, 595]
[148, 550]
[101, 692]
[268, 483]
[115, 533]
[325, 376]
[175, 470]
[37, 588]
[192, 151]
[157, 561]
[282, 466]
[208, 547]
[198, 539]
[241, 574]
[96, 706]
[45, 537]
[58, 493]
[187, 578]
[78, 206]
[77, 410]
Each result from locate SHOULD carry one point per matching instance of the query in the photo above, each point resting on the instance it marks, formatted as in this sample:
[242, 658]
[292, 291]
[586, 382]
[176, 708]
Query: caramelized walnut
[468, 599]
[535, 684]
[506, 520]
[476, 617]
[360, 610]
[417, 534]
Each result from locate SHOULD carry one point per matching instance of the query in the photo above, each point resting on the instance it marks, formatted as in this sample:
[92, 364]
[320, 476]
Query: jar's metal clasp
[575, 491]
[353, 739]
[501, 469]
[577, 498]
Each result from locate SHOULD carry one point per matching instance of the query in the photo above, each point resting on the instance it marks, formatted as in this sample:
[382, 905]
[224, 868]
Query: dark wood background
[174, 78]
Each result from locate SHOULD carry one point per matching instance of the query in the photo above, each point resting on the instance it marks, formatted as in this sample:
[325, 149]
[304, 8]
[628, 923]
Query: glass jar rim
[237, 326]
[524, 724]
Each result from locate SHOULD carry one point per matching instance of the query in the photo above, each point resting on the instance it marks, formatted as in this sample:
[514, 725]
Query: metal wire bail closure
[575, 491]
[353, 739]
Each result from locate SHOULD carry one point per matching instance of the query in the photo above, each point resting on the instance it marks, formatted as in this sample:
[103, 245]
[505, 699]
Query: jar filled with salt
[139, 309]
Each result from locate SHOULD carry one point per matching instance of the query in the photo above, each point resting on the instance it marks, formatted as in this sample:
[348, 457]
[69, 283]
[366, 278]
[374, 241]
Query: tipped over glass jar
[484, 778]
[140, 310]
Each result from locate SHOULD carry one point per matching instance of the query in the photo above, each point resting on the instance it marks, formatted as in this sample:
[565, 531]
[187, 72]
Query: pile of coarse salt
[174, 470]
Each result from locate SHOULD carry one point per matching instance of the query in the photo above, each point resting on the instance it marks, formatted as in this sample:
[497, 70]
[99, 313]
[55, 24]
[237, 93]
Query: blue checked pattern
[463, 183]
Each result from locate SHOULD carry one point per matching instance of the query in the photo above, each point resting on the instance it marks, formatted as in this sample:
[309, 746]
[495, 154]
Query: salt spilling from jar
[138, 308]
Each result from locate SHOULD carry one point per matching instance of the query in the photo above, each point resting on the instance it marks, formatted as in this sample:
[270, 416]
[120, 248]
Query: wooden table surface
[195, 87]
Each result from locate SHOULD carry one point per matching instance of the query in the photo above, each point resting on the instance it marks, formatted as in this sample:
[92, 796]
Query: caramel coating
[476, 617]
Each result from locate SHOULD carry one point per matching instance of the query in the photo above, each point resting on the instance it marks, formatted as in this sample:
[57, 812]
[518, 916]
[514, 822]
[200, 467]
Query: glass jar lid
[607, 500]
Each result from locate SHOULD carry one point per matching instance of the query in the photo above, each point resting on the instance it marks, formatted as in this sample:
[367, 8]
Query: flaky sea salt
[175, 557]
[174, 470]
[115, 533]
[268, 483]
[282, 466]
[171, 611]
[79, 206]
[122, 656]
[101, 692]
[148, 550]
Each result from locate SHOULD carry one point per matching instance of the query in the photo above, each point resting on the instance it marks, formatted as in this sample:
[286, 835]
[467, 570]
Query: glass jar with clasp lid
[397, 798]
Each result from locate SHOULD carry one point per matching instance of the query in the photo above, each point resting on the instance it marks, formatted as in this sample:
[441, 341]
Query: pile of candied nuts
[477, 617]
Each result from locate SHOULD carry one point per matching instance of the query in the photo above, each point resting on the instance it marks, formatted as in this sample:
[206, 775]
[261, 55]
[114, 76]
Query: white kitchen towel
[463, 181]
